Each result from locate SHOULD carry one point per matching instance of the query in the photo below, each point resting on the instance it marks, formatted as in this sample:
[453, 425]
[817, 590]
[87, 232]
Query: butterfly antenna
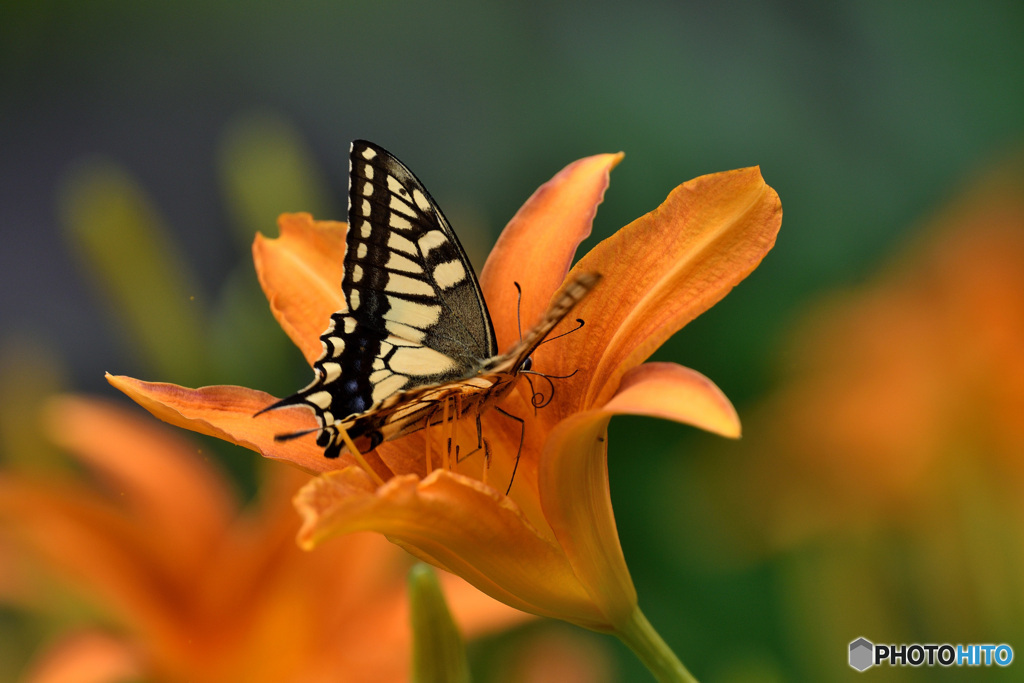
[519, 303]
[540, 399]
[564, 334]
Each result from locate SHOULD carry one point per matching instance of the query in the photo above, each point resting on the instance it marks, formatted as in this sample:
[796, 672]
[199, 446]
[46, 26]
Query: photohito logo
[864, 654]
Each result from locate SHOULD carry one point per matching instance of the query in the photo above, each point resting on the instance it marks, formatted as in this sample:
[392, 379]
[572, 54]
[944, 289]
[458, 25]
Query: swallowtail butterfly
[416, 344]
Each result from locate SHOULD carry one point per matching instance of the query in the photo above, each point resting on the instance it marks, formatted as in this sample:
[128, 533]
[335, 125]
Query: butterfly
[415, 346]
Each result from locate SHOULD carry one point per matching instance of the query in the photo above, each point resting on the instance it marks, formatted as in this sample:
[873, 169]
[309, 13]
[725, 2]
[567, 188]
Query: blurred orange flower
[550, 547]
[199, 588]
[899, 394]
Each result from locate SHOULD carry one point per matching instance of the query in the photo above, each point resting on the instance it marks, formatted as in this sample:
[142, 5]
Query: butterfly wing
[416, 316]
[410, 410]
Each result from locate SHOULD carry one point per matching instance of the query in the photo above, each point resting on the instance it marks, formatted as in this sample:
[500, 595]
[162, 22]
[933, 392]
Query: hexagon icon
[862, 653]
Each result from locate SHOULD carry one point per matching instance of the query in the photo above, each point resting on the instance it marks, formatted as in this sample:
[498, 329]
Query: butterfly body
[415, 345]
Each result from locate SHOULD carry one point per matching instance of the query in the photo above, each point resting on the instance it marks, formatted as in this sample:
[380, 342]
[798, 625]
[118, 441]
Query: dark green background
[864, 116]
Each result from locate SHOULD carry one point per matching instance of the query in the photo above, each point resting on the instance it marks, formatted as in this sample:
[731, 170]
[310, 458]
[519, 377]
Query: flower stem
[642, 639]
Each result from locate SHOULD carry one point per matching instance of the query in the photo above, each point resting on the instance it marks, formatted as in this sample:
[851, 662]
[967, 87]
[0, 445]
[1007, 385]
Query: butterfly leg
[522, 437]
[444, 420]
[457, 399]
[480, 441]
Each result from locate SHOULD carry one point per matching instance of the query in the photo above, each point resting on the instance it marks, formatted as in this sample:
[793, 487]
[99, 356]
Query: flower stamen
[358, 455]
[427, 451]
[448, 451]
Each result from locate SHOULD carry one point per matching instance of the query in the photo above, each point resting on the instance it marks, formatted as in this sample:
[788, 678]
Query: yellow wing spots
[366, 208]
[357, 273]
[398, 205]
[420, 361]
[398, 243]
[332, 371]
[431, 240]
[422, 201]
[395, 186]
[339, 346]
[394, 340]
[400, 284]
[411, 313]
[399, 222]
[378, 363]
[353, 300]
[368, 171]
[368, 189]
[449, 274]
[365, 230]
[398, 262]
[369, 153]
[404, 332]
[361, 250]
[321, 399]
[350, 324]
[389, 386]
[380, 375]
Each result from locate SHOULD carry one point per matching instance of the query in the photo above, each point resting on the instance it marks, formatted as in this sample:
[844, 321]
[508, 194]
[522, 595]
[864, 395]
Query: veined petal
[226, 412]
[458, 524]
[577, 503]
[663, 270]
[538, 245]
[300, 273]
[107, 438]
[573, 474]
[672, 392]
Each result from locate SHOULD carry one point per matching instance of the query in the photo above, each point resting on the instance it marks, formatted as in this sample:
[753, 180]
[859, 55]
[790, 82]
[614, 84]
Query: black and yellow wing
[416, 316]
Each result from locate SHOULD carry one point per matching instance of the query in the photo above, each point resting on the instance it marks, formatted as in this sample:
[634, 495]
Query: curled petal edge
[674, 392]
[458, 524]
[574, 487]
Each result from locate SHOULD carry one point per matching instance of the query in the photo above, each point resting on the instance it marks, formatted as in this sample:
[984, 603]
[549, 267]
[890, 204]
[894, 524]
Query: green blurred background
[210, 118]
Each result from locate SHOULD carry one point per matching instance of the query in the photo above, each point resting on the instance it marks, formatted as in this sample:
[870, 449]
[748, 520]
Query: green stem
[642, 639]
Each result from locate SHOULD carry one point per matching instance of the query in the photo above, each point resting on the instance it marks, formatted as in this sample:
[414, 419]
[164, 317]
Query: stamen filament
[359, 456]
[426, 448]
[455, 427]
[447, 452]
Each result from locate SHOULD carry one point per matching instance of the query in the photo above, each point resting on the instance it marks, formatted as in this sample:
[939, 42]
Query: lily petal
[538, 245]
[577, 502]
[573, 475]
[495, 548]
[91, 543]
[673, 392]
[226, 412]
[150, 479]
[663, 270]
[300, 273]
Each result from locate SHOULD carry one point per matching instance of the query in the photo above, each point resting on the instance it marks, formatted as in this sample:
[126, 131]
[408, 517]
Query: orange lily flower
[550, 547]
[199, 588]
